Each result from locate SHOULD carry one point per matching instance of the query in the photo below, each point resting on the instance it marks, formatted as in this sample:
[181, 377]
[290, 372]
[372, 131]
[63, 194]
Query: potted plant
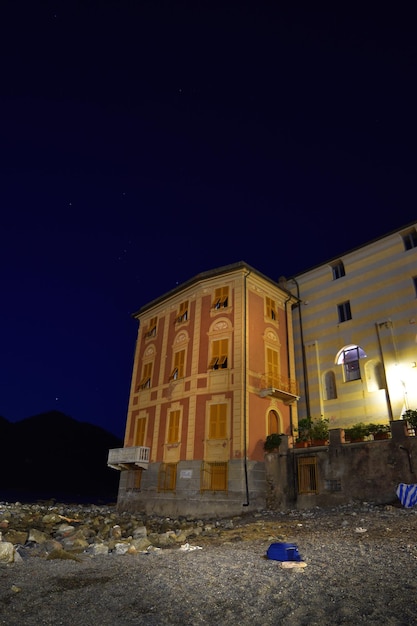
[303, 430]
[357, 432]
[411, 417]
[319, 431]
[272, 442]
[379, 431]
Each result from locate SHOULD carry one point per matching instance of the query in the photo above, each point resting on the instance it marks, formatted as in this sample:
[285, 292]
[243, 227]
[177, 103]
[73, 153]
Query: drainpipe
[288, 354]
[303, 352]
[245, 441]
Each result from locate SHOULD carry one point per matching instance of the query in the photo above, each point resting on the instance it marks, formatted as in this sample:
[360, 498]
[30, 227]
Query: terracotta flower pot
[301, 444]
[378, 436]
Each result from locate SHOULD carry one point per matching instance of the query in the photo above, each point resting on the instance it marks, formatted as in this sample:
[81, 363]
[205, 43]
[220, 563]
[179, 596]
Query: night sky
[144, 142]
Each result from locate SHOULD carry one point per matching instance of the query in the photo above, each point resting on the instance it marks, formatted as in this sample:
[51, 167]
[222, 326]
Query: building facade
[355, 332]
[213, 375]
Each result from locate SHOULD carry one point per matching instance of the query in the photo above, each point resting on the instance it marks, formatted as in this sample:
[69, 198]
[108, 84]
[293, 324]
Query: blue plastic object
[283, 552]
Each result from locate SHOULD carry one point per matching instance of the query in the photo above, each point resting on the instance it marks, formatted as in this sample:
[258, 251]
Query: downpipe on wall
[245, 442]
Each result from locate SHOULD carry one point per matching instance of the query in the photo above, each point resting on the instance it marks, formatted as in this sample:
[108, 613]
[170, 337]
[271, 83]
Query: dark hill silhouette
[53, 456]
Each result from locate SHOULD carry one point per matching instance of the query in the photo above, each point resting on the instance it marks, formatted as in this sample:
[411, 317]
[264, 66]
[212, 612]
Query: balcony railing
[285, 389]
[128, 458]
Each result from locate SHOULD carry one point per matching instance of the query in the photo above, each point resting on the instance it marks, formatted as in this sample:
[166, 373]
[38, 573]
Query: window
[273, 423]
[351, 364]
[213, 476]
[410, 239]
[145, 382]
[218, 421]
[221, 298]
[151, 332]
[182, 313]
[219, 351]
[173, 427]
[375, 376]
[338, 270]
[330, 392]
[271, 310]
[272, 367]
[344, 311]
[167, 477]
[140, 431]
[178, 370]
[307, 474]
[349, 357]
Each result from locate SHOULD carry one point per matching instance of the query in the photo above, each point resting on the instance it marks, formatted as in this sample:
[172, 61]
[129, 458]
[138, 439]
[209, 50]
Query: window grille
[167, 477]
[307, 474]
[213, 476]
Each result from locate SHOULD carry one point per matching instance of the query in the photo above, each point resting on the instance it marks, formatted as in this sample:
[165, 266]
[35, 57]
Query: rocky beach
[89, 565]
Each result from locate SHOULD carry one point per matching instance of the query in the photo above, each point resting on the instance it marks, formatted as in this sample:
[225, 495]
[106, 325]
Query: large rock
[6, 552]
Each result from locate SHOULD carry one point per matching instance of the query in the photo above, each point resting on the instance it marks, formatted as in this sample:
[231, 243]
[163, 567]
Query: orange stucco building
[213, 375]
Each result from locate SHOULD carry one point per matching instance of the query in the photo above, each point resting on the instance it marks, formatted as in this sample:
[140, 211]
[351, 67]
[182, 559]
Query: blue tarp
[407, 494]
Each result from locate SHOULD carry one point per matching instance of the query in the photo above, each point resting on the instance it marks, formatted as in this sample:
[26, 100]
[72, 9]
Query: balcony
[128, 458]
[285, 389]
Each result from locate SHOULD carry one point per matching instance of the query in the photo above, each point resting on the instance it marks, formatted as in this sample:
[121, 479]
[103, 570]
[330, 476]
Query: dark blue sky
[144, 142]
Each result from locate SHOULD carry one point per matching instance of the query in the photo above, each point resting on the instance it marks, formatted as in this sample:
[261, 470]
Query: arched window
[349, 357]
[374, 372]
[329, 385]
[273, 423]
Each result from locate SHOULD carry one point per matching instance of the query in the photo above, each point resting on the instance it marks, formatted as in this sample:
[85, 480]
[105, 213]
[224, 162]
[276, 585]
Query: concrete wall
[366, 471]
[188, 500]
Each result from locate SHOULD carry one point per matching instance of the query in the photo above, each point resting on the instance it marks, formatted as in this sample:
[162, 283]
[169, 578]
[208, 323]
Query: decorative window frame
[142, 417]
[148, 359]
[174, 408]
[180, 344]
[183, 313]
[221, 300]
[220, 330]
[151, 328]
[271, 342]
[271, 311]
